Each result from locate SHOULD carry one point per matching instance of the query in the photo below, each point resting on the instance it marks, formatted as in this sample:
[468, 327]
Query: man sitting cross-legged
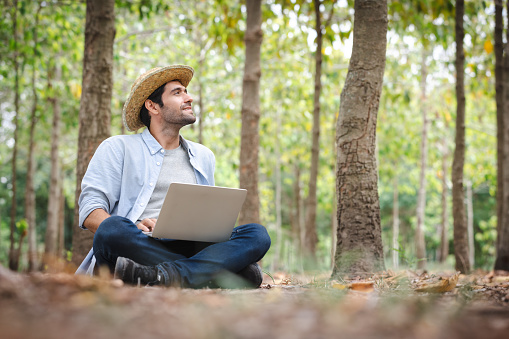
[125, 185]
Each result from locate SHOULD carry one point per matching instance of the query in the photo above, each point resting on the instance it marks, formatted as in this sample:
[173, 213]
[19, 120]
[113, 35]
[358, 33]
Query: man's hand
[147, 225]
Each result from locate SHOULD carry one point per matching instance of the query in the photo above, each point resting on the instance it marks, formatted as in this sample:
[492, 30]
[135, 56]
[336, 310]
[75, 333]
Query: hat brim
[145, 85]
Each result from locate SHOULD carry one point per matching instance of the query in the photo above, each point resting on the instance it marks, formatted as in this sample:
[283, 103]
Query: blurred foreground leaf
[367, 286]
[443, 285]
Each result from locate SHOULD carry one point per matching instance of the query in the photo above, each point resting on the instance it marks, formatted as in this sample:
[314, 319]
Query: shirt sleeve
[100, 187]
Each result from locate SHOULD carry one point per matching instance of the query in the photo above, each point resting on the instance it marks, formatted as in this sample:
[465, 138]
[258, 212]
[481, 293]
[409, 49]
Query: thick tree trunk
[251, 114]
[95, 109]
[13, 258]
[52, 229]
[502, 261]
[30, 186]
[395, 223]
[359, 247]
[311, 238]
[444, 240]
[458, 194]
[421, 196]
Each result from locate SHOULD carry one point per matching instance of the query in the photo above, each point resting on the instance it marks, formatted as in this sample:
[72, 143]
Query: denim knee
[263, 237]
[260, 237]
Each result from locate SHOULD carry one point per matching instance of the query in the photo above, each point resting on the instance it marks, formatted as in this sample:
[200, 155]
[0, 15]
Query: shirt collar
[151, 142]
[187, 146]
[154, 146]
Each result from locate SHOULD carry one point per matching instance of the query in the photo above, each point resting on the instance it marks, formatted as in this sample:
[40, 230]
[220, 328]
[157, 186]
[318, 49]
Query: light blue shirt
[123, 173]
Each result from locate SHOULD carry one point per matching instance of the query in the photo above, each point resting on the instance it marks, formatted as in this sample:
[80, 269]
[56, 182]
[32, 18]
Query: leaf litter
[388, 305]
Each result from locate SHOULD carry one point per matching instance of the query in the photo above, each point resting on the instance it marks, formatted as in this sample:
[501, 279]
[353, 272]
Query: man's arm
[97, 216]
[94, 219]
[101, 184]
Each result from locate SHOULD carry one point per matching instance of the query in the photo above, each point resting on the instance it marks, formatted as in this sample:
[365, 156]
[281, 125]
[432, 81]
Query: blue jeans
[196, 263]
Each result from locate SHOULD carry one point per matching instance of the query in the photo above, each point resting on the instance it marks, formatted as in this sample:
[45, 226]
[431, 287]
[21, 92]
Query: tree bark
[251, 114]
[13, 259]
[95, 108]
[395, 223]
[296, 216]
[359, 246]
[444, 240]
[502, 261]
[311, 238]
[200, 99]
[421, 196]
[279, 229]
[499, 97]
[200, 107]
[470, 225]
[52, 229]
[30, 186]
[458, 194]
[61, 223]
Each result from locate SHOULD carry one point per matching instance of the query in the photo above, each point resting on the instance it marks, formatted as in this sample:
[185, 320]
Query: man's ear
[151, 106]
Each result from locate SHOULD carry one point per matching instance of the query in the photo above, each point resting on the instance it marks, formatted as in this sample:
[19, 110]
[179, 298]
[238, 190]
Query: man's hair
[155, 97]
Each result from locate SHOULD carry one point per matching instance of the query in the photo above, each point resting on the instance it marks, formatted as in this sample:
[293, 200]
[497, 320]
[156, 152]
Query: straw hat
[145, 85]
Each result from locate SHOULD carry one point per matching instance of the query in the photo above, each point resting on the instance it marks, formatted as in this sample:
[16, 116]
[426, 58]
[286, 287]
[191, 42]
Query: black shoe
[133, 273]
[253, 275]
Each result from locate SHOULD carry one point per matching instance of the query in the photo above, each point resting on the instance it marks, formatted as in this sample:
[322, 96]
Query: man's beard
[178, 117]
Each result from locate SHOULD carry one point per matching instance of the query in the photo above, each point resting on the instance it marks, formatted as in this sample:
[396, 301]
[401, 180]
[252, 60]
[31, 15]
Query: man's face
[177, 108]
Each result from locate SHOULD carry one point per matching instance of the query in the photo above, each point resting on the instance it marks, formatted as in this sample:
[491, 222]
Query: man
[125, 185]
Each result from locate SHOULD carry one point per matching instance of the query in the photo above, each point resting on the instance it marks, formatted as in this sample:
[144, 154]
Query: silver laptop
[199, 213]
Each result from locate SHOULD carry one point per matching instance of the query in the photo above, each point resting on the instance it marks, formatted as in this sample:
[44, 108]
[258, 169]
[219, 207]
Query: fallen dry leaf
[363, 286]
[443, 285]
[339, 286]
[356, 286]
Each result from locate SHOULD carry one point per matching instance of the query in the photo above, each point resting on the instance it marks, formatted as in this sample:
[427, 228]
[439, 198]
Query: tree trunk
[200, 95]
[499, 97]
[61, 224]
[95, 108]
[296, 224]
[52, 229]
[251, 113]
[470, 225]
[444, 240]
[421, 196]
[13, 261]
[30, 186]
[334, 231]
[458, 194]
[279, 229]
[502, 261]
[311, 238]
[395, 223]
[200, 107]
[359, 247]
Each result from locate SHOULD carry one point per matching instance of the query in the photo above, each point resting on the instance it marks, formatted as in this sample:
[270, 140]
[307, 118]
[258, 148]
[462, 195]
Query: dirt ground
[67, 306]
